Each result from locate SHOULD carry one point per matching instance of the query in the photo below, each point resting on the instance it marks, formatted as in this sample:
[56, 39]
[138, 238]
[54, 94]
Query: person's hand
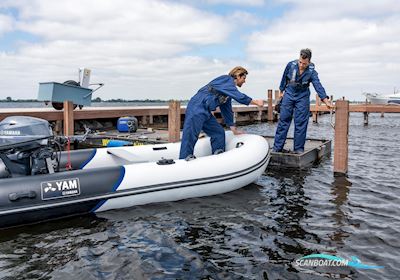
[258, 102]
[236, 131]
[327, 103]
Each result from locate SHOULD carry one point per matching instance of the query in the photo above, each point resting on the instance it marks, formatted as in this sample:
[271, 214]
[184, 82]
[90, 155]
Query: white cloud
[6, 24]
[139, 48]
[244, 18]
[153, 21]
[237, 2]
[137, 44]
[354, 50]
[314, 9]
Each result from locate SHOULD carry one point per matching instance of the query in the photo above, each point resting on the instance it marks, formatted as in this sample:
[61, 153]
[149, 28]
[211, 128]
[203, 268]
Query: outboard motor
[27, 147]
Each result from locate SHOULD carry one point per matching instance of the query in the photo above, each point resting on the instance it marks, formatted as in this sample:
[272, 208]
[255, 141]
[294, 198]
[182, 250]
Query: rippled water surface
[256, 232]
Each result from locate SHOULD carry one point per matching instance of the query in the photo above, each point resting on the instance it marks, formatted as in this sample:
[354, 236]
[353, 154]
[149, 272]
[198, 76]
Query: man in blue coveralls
[217, 93]
[296, 99]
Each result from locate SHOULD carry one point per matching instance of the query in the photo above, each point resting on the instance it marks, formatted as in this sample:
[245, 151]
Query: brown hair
[305, 53]
[238, 71]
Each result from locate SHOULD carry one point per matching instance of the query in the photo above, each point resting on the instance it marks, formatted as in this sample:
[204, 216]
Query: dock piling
[68, 118]
[174, 121]
[366, 118]
[277, 95]
[317, 104]
[315, 117]
[341, 154]
[58, 129]
[270, 116]
[259, 115]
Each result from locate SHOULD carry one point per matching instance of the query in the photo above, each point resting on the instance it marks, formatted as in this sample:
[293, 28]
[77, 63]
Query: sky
[152, 49]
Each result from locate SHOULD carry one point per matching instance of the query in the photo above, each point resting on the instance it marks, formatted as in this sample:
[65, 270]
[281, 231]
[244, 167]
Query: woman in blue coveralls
[296, 99]
[217, 93]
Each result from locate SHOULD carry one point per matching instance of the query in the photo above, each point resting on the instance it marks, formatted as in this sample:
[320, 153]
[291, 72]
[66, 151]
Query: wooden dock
[89, 113]
[361, 108]
[243, 114]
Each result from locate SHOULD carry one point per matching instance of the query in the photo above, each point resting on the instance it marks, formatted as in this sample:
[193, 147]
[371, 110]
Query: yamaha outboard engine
[26, 147]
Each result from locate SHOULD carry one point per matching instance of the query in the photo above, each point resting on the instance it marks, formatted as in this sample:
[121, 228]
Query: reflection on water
[256, 232]
[340, 191]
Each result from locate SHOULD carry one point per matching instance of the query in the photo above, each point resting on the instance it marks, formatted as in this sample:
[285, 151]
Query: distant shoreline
[94, 101]
[128, 101]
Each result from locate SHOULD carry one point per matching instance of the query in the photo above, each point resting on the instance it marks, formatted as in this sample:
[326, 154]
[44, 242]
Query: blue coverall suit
[219, 92]
[296, 98]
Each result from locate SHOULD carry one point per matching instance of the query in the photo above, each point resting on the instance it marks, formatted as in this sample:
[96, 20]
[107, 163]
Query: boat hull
[375, 98]
[112, 178]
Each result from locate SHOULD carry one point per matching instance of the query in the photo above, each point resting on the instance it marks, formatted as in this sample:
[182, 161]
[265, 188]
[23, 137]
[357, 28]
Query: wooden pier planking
[361, 108]
[87, 113]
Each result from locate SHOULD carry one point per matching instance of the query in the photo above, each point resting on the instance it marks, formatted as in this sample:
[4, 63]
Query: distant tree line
[97, 99]
[9, 99]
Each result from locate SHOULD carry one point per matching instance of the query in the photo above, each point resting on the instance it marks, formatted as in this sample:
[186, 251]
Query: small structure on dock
[78, 93]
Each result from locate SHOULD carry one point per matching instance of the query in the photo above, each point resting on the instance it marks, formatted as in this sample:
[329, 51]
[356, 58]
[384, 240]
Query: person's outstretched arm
[320, 89]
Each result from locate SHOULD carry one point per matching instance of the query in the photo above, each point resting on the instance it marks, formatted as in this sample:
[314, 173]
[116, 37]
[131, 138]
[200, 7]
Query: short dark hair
[305, 53]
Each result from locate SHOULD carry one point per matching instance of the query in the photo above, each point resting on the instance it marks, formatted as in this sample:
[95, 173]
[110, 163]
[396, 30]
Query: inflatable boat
[38, 183]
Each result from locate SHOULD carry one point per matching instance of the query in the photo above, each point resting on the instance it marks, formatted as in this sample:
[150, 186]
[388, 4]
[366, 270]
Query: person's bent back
[217, 93]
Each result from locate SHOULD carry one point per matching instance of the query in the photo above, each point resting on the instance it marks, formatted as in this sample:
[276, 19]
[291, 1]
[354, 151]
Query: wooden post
[68, 118]
[270, 117]
[341, 155]
[174, 121]
[144, 121]
[259, 115]
[365, 118]
[315, 117]
[58, 127]
[382, 114]
[277, 95]
[317, 104]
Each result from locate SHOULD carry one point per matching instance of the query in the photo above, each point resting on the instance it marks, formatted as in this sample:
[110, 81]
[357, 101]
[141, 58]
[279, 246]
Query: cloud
[314, 9]
[6, 24]
[242, 18]
[139, 49]
[129, 42]
[354, 49]
[237, 2]
[154, 21]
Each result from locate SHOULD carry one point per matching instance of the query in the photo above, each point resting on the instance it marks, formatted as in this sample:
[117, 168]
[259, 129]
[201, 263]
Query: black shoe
[281, 151]
[190, 157]
[218, 151]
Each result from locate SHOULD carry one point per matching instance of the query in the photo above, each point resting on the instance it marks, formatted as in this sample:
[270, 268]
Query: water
[256, 232]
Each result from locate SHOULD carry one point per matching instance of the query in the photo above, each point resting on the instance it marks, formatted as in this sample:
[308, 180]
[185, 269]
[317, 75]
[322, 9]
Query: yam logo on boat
[60, 188]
